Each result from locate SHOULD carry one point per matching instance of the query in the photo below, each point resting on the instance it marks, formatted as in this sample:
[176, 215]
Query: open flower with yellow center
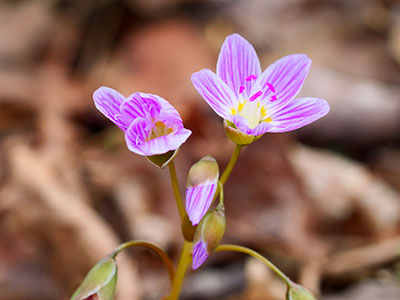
[256, 102]
[152, 126]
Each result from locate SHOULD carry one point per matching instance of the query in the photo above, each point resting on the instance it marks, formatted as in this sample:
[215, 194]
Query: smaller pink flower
[152, 126]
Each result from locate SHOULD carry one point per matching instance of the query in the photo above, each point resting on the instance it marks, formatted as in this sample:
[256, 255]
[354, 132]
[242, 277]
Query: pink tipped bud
[208, 236]
[99, 283]
[201, 186]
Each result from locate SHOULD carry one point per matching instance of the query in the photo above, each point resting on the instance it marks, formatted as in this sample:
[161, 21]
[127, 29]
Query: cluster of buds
[207, 227]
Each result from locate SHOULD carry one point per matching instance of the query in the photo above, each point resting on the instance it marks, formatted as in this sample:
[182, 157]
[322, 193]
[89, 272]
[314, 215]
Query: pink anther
[270, 86]
[273, 98]
[255, 96]
[251, 77]
[241, 89]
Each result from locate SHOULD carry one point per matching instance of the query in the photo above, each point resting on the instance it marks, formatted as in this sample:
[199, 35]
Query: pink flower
[257, 102]
[152, 126]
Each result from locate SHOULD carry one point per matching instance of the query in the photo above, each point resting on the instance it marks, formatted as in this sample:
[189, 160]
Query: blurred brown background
[323, 202]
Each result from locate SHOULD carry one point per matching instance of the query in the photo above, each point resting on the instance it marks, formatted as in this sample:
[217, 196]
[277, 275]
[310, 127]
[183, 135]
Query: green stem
[231, 164]
[185, 260]
[221, 194]
[153, 247]
[228, 170]
[257, 256]
[175, 187]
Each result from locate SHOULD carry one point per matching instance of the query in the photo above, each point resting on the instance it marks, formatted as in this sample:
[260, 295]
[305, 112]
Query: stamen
[270, 86]
[251, 77]
[273, 98]
[241, 89]
[255, 96]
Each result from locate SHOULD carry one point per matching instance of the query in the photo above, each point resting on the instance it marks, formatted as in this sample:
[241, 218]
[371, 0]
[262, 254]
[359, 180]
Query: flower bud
[162, 160]
[208, 236]
[297, 292]
[237, 136]
[201, 186]
[99, 283]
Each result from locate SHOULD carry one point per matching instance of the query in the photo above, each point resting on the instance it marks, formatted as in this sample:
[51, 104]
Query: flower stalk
[152, 247]
[237, 248]
[231, 164]
[229, 168]
[175, 187]
[184, 262]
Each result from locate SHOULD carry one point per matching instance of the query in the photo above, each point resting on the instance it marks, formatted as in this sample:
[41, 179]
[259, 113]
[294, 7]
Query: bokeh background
[323, 203]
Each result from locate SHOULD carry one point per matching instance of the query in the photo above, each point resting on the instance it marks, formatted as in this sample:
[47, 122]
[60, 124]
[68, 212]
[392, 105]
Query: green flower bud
[162, 160]
[208, 235]
[237, 136]
[203, 172]
[297, 292]
[99, 283]
[201, 186]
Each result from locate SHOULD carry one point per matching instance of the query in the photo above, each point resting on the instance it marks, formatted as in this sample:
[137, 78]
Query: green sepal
[100, 280]
[162, 160]
[237, 136]
[298, 292]
[108, 291]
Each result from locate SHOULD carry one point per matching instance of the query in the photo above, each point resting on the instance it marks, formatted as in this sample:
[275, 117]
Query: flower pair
[250, 101]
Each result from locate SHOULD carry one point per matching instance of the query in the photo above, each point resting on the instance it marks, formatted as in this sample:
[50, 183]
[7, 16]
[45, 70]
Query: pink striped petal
[298, 113]
[200, 255]
[286, 76]
[238, 64]
[216, 93]
[198, 201]
[108, 102]
[140, 105]
[137, 139]
[138, 134]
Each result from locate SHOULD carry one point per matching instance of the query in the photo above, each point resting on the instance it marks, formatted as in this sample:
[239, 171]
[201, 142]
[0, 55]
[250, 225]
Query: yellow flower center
[160, 129]
[253, 112]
